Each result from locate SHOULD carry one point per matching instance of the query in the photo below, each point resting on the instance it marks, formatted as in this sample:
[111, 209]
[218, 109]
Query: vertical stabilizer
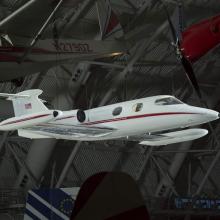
[27, 102]
[109, 23]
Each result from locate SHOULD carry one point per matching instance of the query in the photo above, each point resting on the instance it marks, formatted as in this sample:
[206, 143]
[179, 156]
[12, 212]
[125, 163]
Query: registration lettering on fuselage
[73, 47]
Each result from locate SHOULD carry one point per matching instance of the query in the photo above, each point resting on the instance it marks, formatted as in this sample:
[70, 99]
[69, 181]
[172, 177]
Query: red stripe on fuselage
[17, 49]
[39, 51]
[107, 120]
[26, 119]
[138, 116]
[65, 118]
[11, 58]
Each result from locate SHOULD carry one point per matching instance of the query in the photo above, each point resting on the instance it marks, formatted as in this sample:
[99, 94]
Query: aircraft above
[48, 53]
[26, 52]
[157, 120]
[31, 53]
[193, 42]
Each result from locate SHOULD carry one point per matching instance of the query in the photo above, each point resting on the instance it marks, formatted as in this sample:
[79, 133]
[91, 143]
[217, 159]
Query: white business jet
[157, 120]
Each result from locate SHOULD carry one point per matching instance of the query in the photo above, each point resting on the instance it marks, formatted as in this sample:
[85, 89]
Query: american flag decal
[28, 106]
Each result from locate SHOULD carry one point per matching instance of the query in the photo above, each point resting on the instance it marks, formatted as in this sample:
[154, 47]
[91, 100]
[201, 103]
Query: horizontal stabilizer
[24, 94]
[174, 137]
[8, 95]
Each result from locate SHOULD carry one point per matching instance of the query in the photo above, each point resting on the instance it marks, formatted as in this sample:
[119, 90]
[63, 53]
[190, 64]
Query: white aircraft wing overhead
[75, 131]
[170, 137]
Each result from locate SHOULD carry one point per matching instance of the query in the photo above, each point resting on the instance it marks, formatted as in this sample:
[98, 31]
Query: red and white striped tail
[108, 20]
[26, 102]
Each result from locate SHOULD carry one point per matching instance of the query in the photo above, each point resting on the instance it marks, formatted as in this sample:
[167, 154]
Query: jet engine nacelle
[81, 115]
[57, 114]
[29, 120]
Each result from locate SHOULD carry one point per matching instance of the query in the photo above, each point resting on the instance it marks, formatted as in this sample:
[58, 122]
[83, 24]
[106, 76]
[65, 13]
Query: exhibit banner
[50, 203]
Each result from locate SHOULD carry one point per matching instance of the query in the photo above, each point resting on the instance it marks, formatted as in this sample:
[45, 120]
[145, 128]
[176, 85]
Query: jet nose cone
[213, 115]
[203, 115]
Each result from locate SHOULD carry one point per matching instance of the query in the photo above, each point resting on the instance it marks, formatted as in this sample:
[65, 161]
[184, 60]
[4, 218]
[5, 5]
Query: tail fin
[26, 102]
[108, 20]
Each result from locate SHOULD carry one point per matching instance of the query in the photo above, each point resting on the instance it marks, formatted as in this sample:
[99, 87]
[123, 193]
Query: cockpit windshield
[168, 101]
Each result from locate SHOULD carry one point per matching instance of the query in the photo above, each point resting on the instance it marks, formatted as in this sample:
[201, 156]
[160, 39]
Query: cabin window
[137, 107]
[117, 111]
[168, 101]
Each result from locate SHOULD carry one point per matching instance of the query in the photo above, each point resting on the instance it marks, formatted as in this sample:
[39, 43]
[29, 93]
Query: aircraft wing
[170, 137]
[27, 22]
[50, 130]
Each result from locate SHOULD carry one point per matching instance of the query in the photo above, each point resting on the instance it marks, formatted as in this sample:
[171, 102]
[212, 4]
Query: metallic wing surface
[65, 131]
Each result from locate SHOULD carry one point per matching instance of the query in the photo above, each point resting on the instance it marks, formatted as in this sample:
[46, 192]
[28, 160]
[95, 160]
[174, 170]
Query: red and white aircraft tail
[109, 23]
[26, 102]
[29, 111]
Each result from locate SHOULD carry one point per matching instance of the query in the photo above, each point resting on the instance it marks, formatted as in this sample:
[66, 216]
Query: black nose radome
[55, 114]
[219, 115]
